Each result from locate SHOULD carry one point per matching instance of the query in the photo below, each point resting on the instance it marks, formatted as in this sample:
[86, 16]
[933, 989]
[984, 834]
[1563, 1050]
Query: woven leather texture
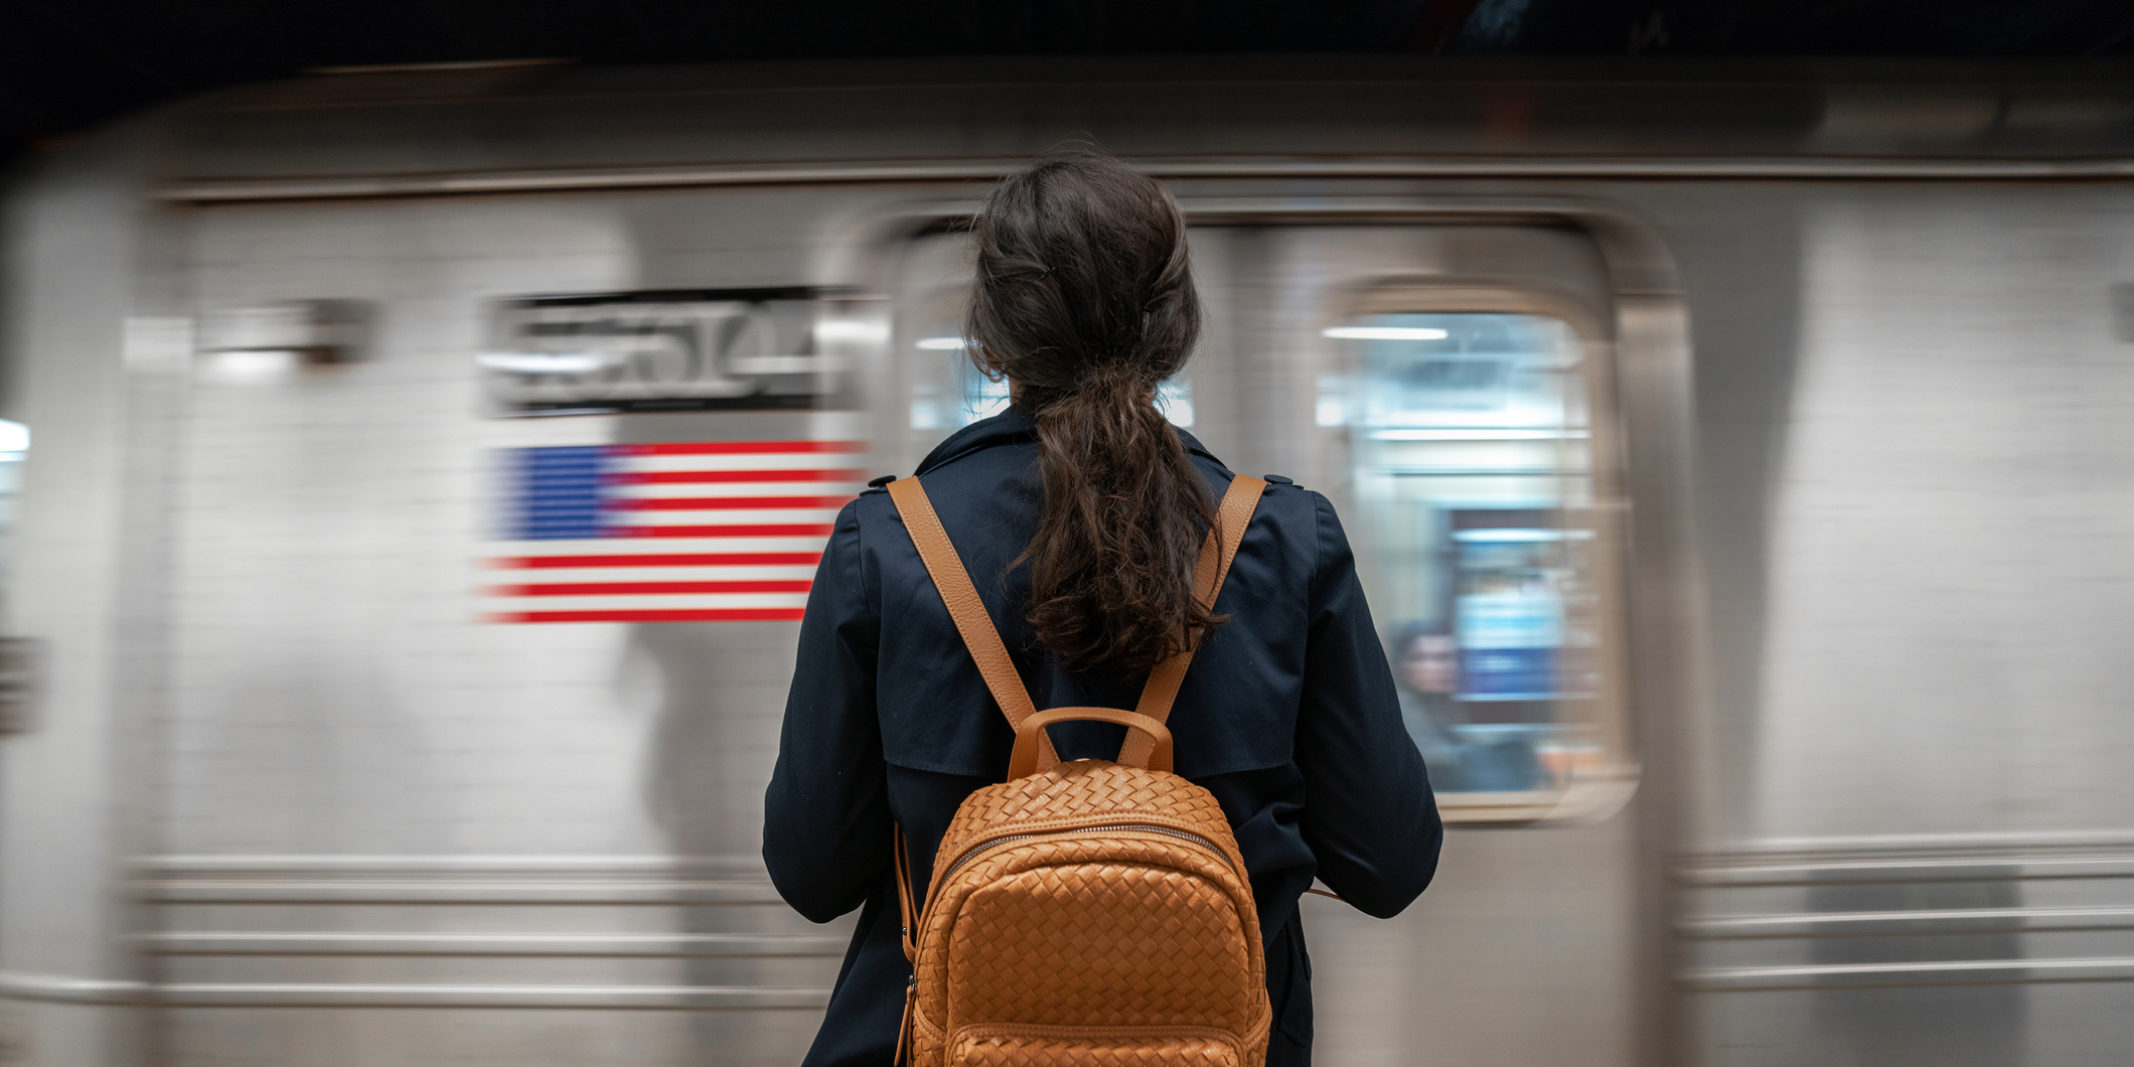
[1079, 790]
[1164, 939]
[1012, 1049]
[1078, 902]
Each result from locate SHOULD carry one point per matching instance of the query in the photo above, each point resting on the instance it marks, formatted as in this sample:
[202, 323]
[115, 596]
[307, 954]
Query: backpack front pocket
[1073, 1046]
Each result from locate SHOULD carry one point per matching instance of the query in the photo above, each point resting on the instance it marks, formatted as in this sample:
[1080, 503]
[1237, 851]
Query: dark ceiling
[67, 65]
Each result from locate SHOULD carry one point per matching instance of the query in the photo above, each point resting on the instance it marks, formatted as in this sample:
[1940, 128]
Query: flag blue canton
[556, 493]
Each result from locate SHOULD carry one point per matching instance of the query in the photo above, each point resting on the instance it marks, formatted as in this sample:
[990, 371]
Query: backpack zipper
[971, 853]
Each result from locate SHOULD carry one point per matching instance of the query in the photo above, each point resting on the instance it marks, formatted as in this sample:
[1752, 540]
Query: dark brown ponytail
[1084, 299]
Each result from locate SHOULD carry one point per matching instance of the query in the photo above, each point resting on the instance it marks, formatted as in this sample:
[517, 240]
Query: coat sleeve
[826, 822]
[1369, 814]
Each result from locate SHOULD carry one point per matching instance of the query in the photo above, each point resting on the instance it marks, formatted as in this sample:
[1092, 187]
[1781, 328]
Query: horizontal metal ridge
[1922, 858]
[19, 986]
[1905, 923]
[648, 891]
[1882, 871]
[66, 989]
[1988, 841]
[253, 190]
[1931, 973]
[734, 866]
[491, 945]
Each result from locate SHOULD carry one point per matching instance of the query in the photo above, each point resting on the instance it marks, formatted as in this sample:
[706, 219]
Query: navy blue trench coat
[1288, 715]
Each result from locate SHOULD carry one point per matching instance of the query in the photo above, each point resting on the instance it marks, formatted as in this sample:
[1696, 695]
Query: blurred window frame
[1587, 790]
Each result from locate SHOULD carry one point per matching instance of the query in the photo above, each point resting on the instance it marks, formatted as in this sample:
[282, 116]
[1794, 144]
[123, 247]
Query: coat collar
[1014, 426]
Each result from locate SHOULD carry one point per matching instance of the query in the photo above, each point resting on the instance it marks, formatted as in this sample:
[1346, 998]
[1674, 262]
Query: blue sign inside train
[1509, 643]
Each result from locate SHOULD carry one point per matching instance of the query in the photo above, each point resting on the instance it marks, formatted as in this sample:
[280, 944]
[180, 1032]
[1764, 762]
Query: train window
[16, 653]
[1482, 537]
[14, 451]
[945, 392]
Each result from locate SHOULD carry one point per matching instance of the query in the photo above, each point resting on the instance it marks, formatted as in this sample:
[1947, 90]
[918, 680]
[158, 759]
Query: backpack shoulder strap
[953, 582]
[1216, 554]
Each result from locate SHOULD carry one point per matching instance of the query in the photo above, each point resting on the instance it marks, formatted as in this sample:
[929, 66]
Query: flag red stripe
[678, 615]
[764, 585]
[723, 503]
[734, 448]
[796, 529]
[824, 474]
[664, 559]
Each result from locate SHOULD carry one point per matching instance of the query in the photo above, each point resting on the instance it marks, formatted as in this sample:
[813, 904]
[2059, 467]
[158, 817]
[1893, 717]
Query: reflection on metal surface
[1907, 975]
[1972, 868]
[61, 989]
[206, 891]
[19, 986]
[1907, 923]
[1912, 913]
[619, 946]
[441, 865]
[413, 995]
[393, 995]
[452, 890]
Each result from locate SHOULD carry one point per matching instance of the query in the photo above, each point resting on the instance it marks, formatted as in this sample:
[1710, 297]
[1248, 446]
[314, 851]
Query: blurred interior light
[14, 440]
[852, 331]
[542, 362]
[1385, 333]
[1479, 433]
[1519, 536]
[317, 331]
[1331, 408]
[251, 366]
[940, 344]
[987, 399]
[1175, 400]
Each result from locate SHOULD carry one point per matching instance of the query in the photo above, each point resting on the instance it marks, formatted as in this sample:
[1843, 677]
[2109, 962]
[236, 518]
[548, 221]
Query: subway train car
[413, 477]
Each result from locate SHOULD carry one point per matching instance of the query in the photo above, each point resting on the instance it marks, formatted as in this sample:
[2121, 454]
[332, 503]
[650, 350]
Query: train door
[1448, 385]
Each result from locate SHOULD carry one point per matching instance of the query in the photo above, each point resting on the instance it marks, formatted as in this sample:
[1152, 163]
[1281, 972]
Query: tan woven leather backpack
[1090, 912]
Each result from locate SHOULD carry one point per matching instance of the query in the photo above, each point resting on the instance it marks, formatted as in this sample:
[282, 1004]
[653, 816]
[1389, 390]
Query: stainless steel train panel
[1913, 473]
[340, 704]
[71, 787]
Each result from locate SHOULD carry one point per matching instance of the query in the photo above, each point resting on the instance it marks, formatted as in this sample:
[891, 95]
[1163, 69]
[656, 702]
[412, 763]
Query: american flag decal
[685, 532]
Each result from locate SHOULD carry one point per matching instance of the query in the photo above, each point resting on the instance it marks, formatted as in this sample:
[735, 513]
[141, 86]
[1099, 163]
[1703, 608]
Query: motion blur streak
[1739, 469]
